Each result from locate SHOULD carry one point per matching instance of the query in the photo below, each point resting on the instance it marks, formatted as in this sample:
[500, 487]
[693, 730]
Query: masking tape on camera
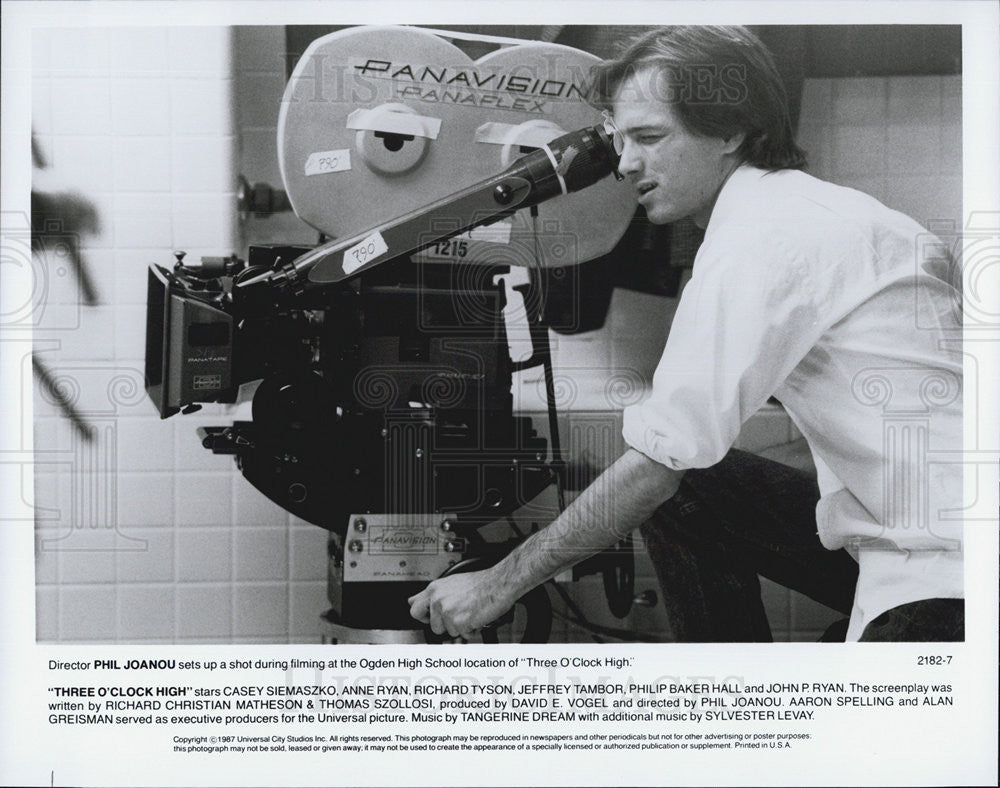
[389, 122]
[325, 161]
[532, 136]
[371, 248]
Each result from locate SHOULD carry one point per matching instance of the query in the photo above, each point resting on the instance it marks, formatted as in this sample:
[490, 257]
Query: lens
[614, 133]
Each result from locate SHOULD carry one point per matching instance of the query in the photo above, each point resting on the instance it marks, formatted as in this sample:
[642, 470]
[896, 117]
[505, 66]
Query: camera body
[383, 413]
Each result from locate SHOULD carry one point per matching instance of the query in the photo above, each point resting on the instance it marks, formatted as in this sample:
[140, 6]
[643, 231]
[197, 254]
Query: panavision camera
[383, 409]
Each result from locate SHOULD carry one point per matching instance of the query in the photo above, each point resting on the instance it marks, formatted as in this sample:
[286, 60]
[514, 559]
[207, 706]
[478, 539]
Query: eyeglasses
[614, 133]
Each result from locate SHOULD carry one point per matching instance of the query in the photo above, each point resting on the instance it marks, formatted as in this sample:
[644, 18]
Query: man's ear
[733, 143]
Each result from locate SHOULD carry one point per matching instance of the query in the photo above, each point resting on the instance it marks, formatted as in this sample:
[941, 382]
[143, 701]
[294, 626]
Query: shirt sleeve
[746, 319]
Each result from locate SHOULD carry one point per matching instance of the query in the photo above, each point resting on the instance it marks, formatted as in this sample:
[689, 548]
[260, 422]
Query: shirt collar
[737, 188]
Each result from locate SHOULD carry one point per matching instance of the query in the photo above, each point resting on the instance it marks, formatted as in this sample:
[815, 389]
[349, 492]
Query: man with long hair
[812, 293]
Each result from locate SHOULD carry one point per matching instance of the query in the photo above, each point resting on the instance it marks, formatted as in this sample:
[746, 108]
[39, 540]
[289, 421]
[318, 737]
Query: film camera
[384, 411]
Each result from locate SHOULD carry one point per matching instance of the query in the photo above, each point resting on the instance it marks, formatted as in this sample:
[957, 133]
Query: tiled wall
[143, 536]
[896, 138]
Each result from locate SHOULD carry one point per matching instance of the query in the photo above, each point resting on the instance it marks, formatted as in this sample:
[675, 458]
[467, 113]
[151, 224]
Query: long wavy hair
[721, 81]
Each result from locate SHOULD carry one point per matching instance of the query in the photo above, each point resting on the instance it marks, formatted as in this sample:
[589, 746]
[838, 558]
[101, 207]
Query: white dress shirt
[842, 309]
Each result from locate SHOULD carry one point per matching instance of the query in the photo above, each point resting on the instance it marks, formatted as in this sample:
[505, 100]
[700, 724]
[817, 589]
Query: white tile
[145, 444]
[859, 100]
[81, 106]
[59, 276]
[53, 514]
[130, 334]
[203, 163]
[46, 614]
[142, 220]
[201, 106]
[141, 106]
[88, 556]
[87, 612]
[142, 163]
[92, 339]
[53, 323]
[146, 611]
[309, 560]
[914, 149]
[951, 98]
[203, 499]
[126, 384]
[204, 554]
[83, 162]
[132, 272]
[255, 508]
[308, 603]
[858, 150]
[914, 99]
[41, 51]
[80, 52]
[98, 263]
[201, 51]
[41, 113]
[816, 141]
[145, 499]
[949, 201]
[46, 557]
[260, 553]
[204, 220]
[204, 611]
[927, 198]
[817, 100]
[98, 389]
[94, 489]
[139, 51]
[152, 562]
[260, 610]
[950, 161]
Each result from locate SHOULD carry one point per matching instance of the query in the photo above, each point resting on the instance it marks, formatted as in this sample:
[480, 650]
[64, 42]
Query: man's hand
[619, 501]
[461, 604]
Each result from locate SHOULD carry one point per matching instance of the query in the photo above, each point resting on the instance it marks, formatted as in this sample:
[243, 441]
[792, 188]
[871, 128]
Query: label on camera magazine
[326, 161]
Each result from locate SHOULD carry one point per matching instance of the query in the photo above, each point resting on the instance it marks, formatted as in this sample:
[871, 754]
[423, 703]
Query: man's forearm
[618, 501]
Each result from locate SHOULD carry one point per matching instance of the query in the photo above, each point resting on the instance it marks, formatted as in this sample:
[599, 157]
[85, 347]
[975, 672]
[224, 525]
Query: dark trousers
[748, 516]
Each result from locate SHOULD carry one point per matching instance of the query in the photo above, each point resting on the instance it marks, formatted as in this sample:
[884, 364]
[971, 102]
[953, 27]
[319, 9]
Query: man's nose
[630, 163]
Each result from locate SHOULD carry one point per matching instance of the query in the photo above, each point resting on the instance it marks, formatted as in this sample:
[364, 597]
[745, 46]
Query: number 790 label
[371, 248]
